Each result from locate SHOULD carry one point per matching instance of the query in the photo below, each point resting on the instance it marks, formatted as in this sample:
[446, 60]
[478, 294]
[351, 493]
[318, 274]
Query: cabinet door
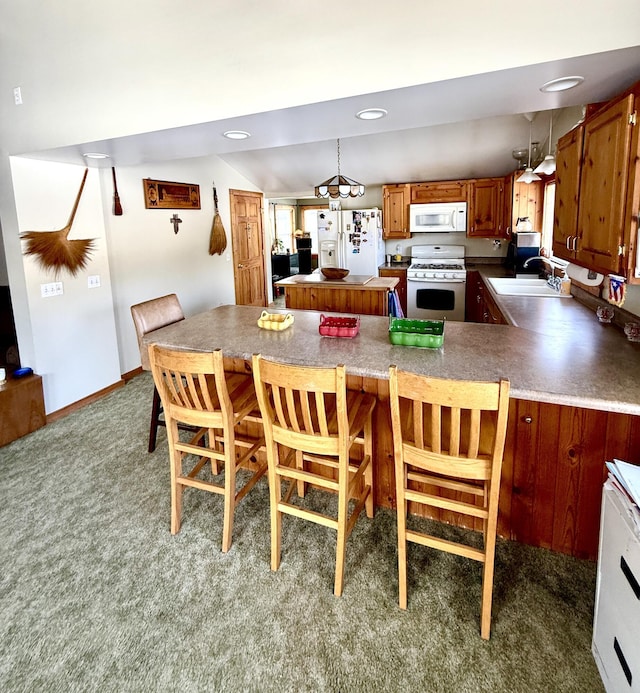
[439, 191]
[565, 216]
[395, 211]
[485, 203]
[603, 187]
[474, 305]
[527, 201]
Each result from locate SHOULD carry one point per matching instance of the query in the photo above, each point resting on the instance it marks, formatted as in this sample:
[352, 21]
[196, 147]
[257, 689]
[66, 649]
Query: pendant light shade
[339, 185]
[548, 165]
[528, 176]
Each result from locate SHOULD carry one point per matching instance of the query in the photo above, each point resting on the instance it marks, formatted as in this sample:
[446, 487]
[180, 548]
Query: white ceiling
[456, 128]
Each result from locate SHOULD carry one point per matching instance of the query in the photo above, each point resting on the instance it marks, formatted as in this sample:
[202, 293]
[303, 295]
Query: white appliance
[436, 282]
[438, 217]
[351, 239]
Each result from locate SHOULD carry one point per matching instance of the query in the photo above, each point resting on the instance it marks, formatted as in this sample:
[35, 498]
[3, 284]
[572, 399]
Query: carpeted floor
[96, 595]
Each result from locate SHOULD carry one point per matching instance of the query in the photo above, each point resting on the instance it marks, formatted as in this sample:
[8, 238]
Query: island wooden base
[552, 474]
[371, 298]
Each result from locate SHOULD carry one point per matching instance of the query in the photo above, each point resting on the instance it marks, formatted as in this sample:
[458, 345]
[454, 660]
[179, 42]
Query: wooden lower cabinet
[479, 305]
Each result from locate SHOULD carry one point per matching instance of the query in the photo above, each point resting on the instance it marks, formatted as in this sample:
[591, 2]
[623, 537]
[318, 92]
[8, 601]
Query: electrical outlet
[17, 96]
[93, 282]
[51, 289]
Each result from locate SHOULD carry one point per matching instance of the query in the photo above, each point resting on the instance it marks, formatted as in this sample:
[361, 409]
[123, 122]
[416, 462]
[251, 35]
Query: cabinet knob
[527, 419]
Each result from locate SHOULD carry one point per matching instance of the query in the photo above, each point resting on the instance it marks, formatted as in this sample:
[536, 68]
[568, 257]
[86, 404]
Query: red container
[333, 326]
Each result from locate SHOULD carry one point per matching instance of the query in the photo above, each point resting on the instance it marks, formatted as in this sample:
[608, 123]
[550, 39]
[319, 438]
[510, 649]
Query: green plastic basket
[428, 334]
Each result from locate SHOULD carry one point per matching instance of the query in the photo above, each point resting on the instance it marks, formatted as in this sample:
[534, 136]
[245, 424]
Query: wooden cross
[175, 220]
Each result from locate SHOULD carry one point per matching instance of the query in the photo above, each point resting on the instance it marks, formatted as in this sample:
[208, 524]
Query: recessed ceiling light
[371, 114]
[236, 134]
[96, 155]
[562, 83]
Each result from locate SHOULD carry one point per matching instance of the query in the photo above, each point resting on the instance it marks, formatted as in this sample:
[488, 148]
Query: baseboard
[60, 413]
[130, 375]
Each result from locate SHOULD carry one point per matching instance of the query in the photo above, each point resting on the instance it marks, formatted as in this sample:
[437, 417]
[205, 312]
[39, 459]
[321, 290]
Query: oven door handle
[436, 281]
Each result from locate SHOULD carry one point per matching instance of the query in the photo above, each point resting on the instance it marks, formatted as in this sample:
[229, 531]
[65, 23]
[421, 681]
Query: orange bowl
[334, 272]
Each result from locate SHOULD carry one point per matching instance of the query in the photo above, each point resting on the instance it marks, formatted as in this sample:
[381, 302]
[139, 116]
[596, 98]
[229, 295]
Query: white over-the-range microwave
[438, 217]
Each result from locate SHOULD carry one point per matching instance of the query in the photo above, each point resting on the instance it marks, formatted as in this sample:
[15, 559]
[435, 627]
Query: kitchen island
[363, 295]
[580, 388]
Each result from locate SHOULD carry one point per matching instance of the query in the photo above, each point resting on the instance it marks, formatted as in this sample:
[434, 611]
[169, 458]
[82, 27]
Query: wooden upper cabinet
[439, 191]
[595, 178]
[603, 187]
[485, 213]
[565, 215]
[395, 211]
[522, 200]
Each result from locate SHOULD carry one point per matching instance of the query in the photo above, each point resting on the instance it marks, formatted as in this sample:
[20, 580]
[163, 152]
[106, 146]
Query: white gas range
[436, 282]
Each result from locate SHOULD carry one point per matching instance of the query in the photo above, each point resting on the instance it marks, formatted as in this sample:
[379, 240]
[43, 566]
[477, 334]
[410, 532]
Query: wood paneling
[365, 301]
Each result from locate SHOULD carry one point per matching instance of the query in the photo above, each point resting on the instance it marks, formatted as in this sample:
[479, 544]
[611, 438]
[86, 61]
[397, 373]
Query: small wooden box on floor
[21, 407]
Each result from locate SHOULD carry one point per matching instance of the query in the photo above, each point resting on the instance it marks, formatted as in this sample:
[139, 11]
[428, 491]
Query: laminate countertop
[555, 351]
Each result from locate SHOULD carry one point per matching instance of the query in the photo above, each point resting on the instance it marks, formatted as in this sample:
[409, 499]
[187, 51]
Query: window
[547, 216]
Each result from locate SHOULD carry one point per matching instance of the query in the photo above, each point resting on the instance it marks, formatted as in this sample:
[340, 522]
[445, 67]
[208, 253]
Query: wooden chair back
[306, 407]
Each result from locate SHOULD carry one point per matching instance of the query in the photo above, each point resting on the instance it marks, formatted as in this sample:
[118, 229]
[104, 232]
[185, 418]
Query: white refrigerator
[351, 239]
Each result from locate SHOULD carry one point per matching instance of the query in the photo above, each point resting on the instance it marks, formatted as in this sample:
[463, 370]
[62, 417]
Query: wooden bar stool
[149, 316]
[448, 439]
[195, 390]
[311, 423]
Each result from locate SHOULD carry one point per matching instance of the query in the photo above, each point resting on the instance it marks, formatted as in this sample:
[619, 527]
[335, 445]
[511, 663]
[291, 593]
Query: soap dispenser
[398, 256]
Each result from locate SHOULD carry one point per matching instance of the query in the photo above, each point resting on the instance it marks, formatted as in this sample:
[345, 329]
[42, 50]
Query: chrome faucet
[553, 281]
[540, 257]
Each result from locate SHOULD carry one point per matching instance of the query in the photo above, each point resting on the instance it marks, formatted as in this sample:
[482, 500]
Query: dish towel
[395, 309]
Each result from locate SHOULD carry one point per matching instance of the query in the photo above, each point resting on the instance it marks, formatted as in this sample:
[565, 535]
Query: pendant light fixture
[548, 164]
[528, 176]
[339, 186]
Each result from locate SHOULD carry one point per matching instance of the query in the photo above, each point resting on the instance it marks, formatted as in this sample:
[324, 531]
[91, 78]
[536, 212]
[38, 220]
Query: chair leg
[176, 488]
[275, 493]
[229, 494]
[402, 543]
[341, 542]
[301, 486]
[487, 583]
[368, 472]
[156, 408]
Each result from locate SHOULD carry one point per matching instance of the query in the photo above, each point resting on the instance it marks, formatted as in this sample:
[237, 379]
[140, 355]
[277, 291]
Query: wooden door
[565, 215]
[248, 248]
[603, 187]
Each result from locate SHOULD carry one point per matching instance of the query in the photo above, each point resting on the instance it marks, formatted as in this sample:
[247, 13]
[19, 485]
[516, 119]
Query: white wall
[83, 340]
[73, 335]
[148, 259]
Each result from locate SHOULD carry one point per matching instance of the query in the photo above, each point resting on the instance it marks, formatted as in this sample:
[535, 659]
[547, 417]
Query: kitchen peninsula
[365, 295]
[575, 401]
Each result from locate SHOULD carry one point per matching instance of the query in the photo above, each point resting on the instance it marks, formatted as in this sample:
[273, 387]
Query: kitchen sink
[510, 286]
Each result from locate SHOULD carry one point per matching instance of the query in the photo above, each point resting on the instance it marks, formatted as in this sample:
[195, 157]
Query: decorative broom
[218, 241]
[54, 250]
